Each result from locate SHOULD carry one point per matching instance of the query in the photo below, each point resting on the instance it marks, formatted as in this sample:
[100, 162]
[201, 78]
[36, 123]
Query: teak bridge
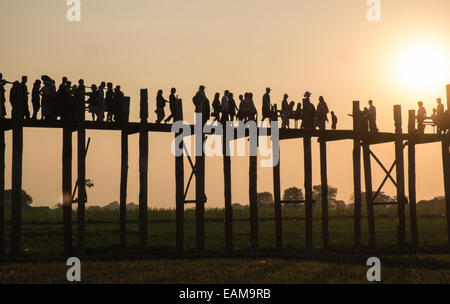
[362, 142]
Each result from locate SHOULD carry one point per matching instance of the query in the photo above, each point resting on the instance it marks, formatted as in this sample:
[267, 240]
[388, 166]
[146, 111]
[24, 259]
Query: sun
[423, 68]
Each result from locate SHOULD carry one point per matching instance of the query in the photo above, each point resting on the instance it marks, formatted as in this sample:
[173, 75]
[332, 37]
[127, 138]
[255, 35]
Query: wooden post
[308, 189]
[446, 164]
[324, 183]
[16, 179]
[123, 187]
[67, 189]
[253, 171]
[143, 171]
[2, 193]
[200, 196]
[357, 172]
[277, 188]
[179, 187]
[227, 192]
[81, 172]
[400, 172]
[412, 177]
[368, 183]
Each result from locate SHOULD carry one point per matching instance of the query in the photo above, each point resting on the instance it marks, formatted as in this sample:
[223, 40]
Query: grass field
[159, 263]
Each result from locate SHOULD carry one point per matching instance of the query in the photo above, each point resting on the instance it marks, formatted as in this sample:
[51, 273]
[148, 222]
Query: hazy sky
[325, 46]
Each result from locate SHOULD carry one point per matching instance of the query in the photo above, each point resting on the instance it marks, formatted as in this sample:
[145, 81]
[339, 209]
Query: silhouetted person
[216, 107]
[266, 106]
[245, 108]
[285, 112]
[16, 100]
[440, 114]
[309, 112]
[101, 102]
[80, 96]
[26, 110]
[63, 106]
[372, 118]
[36, 98]
[224, 107]
[334, 121]
[198, 99]
[421, 116]
[119, 104]
[435, 120]
[240, 115]
[93, 101]
[160, 105]
[322, 113]
[2, 97]
[173, 101]
[232, 108]
[253, 111]
[46, 93]
[298, 114]
[206, 110]
[109, 102]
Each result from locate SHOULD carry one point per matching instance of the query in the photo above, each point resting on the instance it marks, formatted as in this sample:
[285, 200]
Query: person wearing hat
[309, 112]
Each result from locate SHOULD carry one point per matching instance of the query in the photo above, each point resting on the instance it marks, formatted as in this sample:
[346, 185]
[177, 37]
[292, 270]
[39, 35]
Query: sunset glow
[423, 68]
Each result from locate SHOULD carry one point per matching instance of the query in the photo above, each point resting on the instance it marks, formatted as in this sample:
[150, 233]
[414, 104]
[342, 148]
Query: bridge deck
[285, 134]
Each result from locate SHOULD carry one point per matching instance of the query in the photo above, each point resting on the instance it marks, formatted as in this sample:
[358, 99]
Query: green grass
[159, 263]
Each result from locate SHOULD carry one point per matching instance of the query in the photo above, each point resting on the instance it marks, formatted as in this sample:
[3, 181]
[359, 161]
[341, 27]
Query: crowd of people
[440, 118]
[64, 102]
[225, 109]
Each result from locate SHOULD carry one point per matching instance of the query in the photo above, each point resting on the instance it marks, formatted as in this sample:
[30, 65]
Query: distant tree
[293, 194]
[317, 195]
[265, 200]
[27, 200]
[317, 192]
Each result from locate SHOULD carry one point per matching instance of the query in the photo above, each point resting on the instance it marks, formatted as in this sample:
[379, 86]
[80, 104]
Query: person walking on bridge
[266, 106]
[421, 116]
[160, 105]
[173, 100]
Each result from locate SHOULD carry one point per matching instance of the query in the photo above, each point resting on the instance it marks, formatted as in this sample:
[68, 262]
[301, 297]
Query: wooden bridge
[362, 142]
